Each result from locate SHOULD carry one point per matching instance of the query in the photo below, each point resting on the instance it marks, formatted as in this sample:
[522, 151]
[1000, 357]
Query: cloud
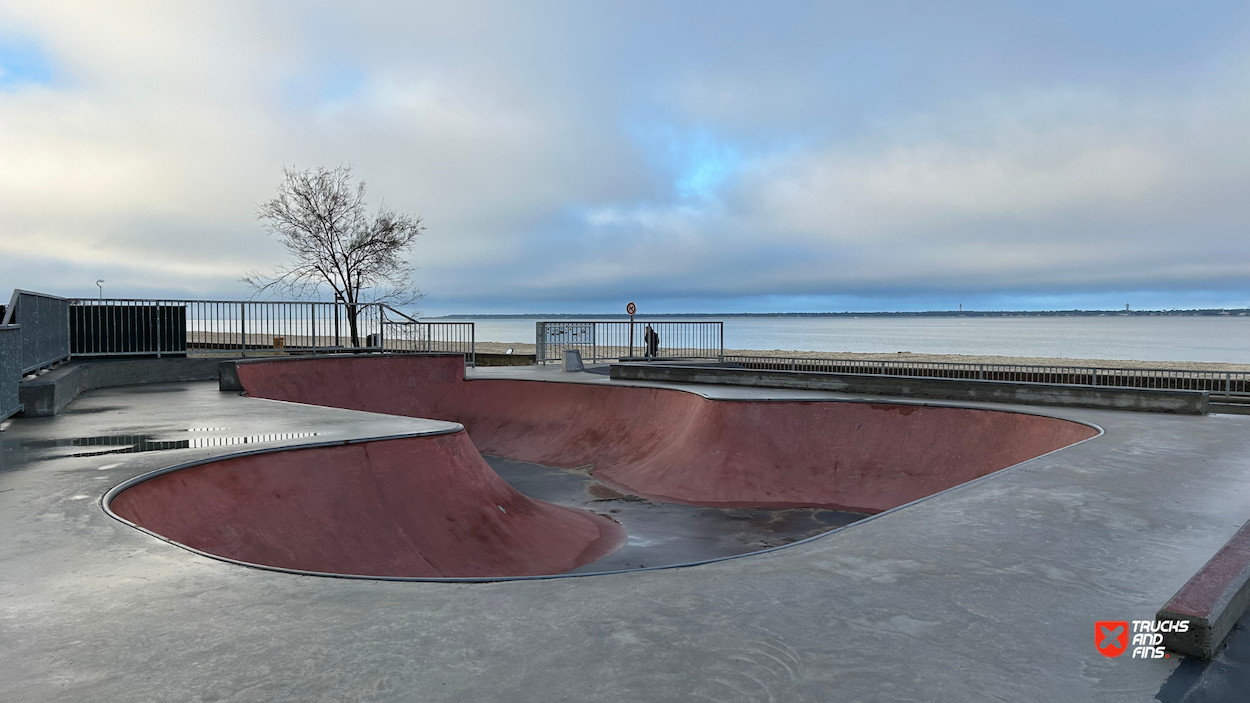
[575, 155]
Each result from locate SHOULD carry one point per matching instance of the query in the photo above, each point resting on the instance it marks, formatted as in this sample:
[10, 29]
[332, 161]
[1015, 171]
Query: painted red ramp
[678, 446]
[414, 507]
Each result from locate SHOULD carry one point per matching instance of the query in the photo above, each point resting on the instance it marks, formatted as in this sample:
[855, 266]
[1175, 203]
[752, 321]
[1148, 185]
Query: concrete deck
[988, 591]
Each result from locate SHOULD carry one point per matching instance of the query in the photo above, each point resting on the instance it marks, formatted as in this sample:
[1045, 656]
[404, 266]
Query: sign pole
[631, 309]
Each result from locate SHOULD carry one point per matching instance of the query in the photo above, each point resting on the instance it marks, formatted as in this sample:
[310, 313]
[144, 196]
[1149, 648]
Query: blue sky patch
[696, 160]
[23, 62]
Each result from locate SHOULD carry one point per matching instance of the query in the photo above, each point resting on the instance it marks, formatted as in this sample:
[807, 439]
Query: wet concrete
[985, 592]
[1225, 677]
[664, 534]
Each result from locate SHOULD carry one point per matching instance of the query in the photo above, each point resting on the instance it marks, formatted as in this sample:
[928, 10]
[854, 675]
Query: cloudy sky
[699, 156]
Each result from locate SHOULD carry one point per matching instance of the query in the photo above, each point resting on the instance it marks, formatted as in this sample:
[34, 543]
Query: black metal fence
[163, 327]
[130, 327]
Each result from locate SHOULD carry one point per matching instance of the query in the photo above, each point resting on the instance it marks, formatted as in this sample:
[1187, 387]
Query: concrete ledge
[1213, 600]
[48, 394]
[505, 359]
[227, 371]
[1144, 399]
[228, 376]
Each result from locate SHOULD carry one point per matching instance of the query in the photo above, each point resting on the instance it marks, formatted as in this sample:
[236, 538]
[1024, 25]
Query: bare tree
[319, 215]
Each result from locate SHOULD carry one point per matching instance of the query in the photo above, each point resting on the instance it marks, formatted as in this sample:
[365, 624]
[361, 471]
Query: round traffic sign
[631, 308]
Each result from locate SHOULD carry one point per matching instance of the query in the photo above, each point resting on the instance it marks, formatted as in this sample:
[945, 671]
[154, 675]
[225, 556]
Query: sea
[1203, 338]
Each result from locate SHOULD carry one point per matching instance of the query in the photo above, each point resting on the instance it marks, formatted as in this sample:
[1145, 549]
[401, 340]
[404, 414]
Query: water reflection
[134, 443]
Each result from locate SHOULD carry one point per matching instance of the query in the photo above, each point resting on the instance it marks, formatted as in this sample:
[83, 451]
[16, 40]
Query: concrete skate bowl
[676, 446]
[413, 507]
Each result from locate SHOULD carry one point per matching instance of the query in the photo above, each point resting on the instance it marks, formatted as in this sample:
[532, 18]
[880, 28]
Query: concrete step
[1233, 408]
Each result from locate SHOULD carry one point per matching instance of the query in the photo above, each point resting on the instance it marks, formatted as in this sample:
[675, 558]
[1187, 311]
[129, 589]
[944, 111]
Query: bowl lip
[106, 500]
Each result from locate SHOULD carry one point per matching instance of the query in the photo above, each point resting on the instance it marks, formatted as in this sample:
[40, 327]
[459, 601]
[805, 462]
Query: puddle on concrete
[89, 410]
[661, 534]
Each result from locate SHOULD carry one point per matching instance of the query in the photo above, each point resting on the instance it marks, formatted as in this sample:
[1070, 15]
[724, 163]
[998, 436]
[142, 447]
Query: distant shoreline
[1215, 312]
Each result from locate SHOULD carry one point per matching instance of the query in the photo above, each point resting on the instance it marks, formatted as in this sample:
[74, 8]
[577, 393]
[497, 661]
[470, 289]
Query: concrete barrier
[484, 359]
[1142, 399]
[1213, 600]
[48, 394]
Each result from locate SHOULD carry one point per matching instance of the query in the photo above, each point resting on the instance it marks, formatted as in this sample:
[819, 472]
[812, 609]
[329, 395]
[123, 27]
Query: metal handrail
[414, 335]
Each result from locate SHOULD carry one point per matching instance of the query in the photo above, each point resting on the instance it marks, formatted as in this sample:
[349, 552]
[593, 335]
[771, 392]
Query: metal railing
[178, 327]
[44, 335]
[409, 335]
[1216, 382]
[175, 327]
[597, 340]
[10, 369]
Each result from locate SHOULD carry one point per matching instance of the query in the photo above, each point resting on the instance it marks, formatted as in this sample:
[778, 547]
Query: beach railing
[1226, 383]
[174, 327]
[409, 335]
[178, 327]
[611, 339]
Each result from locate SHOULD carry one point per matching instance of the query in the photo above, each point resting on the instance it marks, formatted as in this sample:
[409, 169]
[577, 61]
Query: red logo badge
[1111, 637]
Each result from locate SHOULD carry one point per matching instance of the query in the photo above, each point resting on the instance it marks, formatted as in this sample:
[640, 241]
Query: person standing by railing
[652, 339]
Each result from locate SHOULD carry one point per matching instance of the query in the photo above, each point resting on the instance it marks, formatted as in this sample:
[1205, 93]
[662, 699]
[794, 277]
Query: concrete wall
[505, 359]
[49, 394]
[1150, 400]
[10, 369]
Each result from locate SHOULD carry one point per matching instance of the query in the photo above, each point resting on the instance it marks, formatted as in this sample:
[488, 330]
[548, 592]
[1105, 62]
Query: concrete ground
[988, 591]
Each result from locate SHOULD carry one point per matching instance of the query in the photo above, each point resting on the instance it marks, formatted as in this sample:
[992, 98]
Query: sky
[691, 157]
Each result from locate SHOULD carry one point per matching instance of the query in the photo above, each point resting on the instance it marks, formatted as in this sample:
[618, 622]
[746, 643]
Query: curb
[1213, 600]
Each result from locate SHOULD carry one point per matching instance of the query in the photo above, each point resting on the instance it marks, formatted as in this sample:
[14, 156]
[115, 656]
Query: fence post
[160, 338]
[243, 328]
[381, 329]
